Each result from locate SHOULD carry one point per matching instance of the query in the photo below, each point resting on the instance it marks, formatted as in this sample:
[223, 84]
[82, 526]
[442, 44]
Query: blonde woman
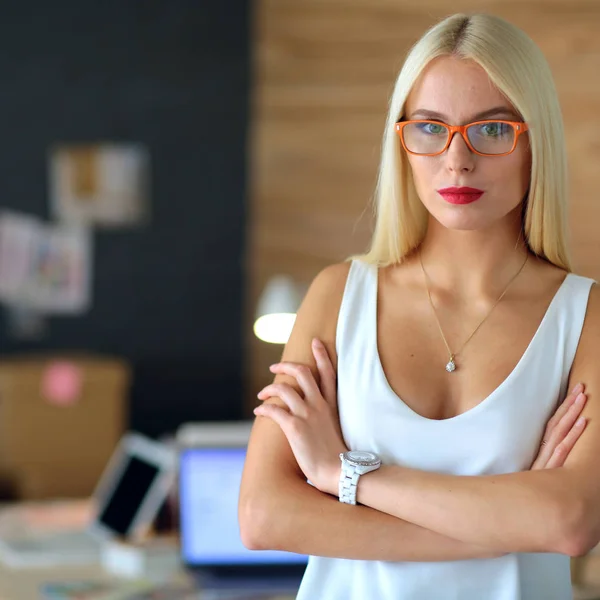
[447, 464]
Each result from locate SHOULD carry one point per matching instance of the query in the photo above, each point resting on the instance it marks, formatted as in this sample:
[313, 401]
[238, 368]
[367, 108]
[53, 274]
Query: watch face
[363, 458]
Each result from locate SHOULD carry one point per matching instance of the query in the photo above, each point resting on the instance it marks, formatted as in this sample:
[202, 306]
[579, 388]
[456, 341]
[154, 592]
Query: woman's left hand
[312, 424]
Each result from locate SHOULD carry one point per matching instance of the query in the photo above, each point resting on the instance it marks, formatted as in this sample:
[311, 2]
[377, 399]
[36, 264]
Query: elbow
[256, 527]
[577, 544]
[580, 531]
[584, 540]
[253, 535]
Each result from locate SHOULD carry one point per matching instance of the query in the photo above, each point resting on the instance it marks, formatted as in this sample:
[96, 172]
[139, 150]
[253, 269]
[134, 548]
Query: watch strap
[349, 477]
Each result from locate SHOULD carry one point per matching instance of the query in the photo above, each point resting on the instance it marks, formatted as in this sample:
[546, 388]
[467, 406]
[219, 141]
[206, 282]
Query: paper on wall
[44, 268]
[99, 184]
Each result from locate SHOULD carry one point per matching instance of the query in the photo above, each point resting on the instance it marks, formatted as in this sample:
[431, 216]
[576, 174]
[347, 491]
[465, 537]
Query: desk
[586, 576]
[24, 584]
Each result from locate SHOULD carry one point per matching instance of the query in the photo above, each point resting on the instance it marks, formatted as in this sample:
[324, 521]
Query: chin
[463, 226]
[463, 221]
[468, 217]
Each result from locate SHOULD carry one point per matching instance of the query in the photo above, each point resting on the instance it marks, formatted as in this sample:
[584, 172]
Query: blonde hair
[517, 67]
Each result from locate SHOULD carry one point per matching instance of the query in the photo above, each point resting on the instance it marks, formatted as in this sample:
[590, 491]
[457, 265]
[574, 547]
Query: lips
[460, 190]
[460, 195]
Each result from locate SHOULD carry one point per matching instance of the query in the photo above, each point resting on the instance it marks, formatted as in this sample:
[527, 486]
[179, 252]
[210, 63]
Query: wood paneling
[323, 72]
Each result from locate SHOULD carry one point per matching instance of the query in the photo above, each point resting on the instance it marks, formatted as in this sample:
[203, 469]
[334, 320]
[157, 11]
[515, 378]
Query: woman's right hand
[562, 431]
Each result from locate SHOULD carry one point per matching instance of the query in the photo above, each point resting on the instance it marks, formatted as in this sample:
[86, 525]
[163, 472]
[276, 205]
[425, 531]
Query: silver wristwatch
[354, 464]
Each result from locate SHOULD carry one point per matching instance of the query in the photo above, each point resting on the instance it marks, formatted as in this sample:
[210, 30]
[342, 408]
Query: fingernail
[580, 399]
[576, 389]
[316, 343]
[580, 421]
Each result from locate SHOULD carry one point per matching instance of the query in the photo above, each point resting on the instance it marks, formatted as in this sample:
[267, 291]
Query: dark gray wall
[173, 74]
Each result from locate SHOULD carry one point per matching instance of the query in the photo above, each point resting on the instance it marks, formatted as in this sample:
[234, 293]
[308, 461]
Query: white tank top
[502, 434]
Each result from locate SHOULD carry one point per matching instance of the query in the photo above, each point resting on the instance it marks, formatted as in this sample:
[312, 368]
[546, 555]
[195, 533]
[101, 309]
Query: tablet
[133, 486]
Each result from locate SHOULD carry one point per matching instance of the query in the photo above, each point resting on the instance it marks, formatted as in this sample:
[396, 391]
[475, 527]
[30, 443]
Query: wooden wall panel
[323, 74]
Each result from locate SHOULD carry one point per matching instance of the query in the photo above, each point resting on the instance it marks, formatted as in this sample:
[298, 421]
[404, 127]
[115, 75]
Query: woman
[454, 339]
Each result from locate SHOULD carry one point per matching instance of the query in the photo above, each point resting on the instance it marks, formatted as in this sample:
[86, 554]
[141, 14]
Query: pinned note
[62, 382]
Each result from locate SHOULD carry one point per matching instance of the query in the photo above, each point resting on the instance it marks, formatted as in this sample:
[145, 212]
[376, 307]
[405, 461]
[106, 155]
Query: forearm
[301, 519]
[517, 512]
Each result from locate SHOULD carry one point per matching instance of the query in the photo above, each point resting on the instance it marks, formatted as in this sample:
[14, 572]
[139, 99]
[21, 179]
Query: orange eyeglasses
[486, 138]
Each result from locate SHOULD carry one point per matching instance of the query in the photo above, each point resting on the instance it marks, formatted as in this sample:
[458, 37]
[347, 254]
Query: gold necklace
[451, 365]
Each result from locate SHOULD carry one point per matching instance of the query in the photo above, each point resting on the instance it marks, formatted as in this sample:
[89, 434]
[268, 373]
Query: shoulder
[324, 296]
[592, 314]
[318, 314]
[331, 279]
[588, 289]
[588, 348]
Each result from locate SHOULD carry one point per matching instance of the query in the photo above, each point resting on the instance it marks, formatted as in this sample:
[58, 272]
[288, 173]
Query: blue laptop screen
[209, 487]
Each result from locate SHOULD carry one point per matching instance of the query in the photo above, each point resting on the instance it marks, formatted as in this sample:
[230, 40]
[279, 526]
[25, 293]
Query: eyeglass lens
[488, 138]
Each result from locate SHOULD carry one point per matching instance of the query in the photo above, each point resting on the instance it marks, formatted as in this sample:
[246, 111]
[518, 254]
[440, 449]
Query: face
[456, 92]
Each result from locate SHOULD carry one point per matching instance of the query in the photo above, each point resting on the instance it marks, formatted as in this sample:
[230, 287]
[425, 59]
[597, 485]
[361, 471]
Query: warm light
[275, 329]
[276, 311]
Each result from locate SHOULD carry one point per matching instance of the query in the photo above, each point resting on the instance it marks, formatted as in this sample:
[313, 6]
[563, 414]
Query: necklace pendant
[451, 366]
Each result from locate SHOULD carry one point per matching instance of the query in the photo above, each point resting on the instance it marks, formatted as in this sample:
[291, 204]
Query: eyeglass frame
[519, 127]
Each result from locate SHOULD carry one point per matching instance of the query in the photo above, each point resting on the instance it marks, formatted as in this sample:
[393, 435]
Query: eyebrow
[498, 110]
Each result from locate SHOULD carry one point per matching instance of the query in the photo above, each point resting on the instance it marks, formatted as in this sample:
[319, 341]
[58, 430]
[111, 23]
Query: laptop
[131, 490]
[211, 462]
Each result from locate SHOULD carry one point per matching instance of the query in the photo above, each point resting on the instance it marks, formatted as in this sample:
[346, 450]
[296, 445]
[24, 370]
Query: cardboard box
[60, 419]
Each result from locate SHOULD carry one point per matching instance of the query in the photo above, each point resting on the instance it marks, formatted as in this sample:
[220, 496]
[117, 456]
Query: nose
[459, 157]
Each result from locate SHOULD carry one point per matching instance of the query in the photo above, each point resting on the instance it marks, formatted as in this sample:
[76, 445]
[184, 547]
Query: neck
[473, 263]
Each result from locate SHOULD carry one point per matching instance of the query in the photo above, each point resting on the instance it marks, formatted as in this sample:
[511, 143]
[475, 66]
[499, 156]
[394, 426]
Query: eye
[431, 128]
[494, 129]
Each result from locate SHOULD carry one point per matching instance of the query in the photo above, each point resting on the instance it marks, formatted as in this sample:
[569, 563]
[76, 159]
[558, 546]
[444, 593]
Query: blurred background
[148, 102]
[183, 154]
[170, 170]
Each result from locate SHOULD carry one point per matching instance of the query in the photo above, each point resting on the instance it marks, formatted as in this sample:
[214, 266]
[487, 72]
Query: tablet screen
[122, 506]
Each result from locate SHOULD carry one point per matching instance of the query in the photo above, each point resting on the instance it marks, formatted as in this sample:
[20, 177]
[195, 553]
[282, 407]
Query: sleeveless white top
[502, 434]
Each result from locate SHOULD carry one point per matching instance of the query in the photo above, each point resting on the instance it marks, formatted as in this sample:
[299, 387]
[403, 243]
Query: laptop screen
[209, 487]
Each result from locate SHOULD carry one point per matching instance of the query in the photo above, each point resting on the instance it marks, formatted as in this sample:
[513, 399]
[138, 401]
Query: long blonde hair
[517, 67]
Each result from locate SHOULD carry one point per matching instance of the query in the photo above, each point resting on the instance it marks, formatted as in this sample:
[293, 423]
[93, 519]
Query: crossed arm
[531, 511]
[551, 510]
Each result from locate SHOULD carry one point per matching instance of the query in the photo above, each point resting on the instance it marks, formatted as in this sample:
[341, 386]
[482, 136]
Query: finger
[562, 409]
[559, 432]
[288, 394]
[559, 456]
[564, 425]
[326, 372]
[303, 375]
[276, 413]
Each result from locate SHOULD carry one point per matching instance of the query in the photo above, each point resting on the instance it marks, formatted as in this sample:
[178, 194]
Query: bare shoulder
[589, 342]
[325, 292]
[318, 314]
[584, 365]
[332, 279]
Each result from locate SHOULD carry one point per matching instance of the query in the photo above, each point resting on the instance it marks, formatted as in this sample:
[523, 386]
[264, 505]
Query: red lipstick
[460, 195]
